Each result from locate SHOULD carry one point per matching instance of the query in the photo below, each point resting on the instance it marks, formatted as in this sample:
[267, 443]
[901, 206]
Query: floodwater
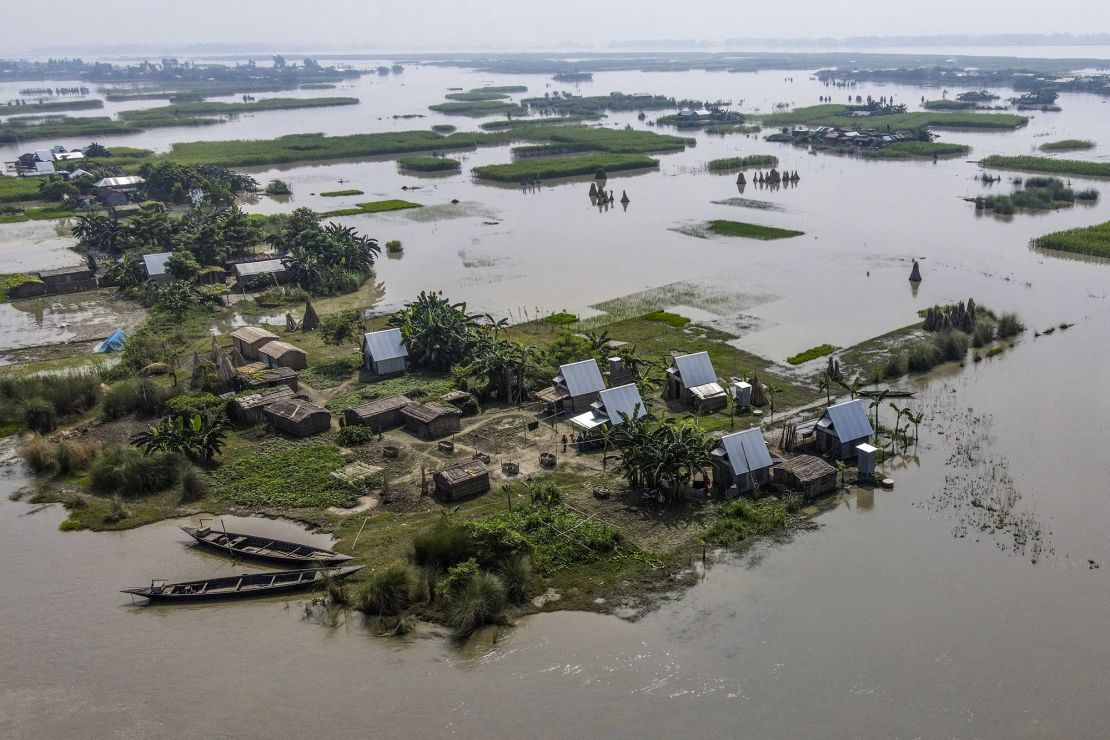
[963, 603]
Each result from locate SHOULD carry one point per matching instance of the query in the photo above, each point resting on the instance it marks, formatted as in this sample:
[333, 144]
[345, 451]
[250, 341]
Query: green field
[743, 163]
[832, 115]
[35, 214]
[190, 114]
[545, 169]
[374, 206]
[91, 127]
[721, 227]
[613, 141]
[1093, 240]
[1067, 145]
[14, 189]
[1078, 167]
[429, 164]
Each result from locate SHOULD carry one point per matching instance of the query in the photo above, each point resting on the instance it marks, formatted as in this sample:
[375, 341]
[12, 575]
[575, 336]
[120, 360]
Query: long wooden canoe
[242, 586]
[264, 548]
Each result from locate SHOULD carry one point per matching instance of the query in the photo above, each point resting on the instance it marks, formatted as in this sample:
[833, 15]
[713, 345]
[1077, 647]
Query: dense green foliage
[723, 227]
[340, 193]
[545, 169]
[742, 518]
[478, 108]
[374, 206]
[1067, 145]
[1093, 240]
[325, 260]
[561, 317]
[429, 164]
[670, 319]
[1078, 167]
[128, 472]
[913, 149]
[536, 530]
[1036, 194]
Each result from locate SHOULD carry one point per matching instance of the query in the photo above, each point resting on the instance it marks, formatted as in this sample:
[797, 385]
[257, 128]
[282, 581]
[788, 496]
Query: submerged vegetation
[373, 206]
[429, 164]
[722, 227]
[544, 169]
[1027, 163]
[811, 354]
[914, 149]
[1036, 194]
[832, 114]
[1067, 145]
[743, 163]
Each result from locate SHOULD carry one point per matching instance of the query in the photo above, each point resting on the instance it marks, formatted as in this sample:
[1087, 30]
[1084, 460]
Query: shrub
[117, 511]
[457, 578]
[482, 601]
[952, 345]
[194, 484]
[39, 415]
[561, 317]
[278, 187]
[126, 471]
[150, 397]
[121, 399]
[516, 573]
[393, 246]
[191, 404]
[444, 545]
[354, 435]
[923, 355]
[72, 393]
[341, 327]
[894, 367]
[71, 456]
[388, 592]
[38, 454]
[984, 332]
[1009, 325]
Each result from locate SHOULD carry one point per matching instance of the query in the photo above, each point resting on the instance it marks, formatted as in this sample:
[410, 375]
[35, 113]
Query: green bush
[923, 355]
[952, 345]
[393, 246]
[126, 471]
[984, 332]
[194, 484]
[121, 399]
[894, 367]
[1009, 325]
[442, 546]
[38, 454]
[388, 592]
[191, 404]
[516, 574]
[482, 601]
[354, 435]
[39, 415]
[741, 518]
[151, 398]
[71, 456]
[561, 317]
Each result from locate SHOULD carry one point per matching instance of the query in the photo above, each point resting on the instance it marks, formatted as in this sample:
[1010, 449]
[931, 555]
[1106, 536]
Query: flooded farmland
[969, 601]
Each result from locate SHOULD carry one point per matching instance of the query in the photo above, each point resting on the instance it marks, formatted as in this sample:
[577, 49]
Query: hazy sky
[431, 24]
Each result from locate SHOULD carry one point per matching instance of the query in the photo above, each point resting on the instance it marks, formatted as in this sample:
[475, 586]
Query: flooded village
[552, 394]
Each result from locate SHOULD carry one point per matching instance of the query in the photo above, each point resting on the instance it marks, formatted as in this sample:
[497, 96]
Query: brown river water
[963, 603]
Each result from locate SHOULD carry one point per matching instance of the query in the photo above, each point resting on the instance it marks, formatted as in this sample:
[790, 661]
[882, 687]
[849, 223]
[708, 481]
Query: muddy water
[913, 612]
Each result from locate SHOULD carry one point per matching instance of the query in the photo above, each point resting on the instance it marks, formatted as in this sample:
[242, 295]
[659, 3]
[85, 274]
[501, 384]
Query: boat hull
[277, 556]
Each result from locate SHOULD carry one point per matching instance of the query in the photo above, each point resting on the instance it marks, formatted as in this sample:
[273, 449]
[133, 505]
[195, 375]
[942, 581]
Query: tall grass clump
[126, 471]
[388, 593]
[923, 355]
[482, 601]
[38, 454]
[516, 574]
[1009, 325]
[121, 399]
[952, 345]
[39, 415]
[194, 484]
[984, 332]
[446, 544]
[71, 456]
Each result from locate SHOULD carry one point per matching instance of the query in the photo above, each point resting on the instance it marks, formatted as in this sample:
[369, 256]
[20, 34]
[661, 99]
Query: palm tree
[877, 403]
[853, 388]
[98, 234]
[826, 386]
[771, 390]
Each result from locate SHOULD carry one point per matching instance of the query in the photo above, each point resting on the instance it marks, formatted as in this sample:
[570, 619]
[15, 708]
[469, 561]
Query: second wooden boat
[264, 548]
[241, 587]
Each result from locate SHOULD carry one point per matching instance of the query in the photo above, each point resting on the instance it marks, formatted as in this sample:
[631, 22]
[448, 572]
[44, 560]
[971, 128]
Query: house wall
[383, 420]
[723, 477]
[392, 366]
[580, 404]
[248, 350]
[291, 360]
[472, 487]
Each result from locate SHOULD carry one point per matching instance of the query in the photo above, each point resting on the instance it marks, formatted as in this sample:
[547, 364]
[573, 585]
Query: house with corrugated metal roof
[384, 353]
[612, 408]
[257, 273]
[155, 266]
[741, 461]
[842, 427]
[692, 380]
[574, 389]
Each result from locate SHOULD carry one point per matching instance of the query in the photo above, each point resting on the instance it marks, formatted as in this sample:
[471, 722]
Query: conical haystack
[310, 320]
[758, 397]
[915, 273]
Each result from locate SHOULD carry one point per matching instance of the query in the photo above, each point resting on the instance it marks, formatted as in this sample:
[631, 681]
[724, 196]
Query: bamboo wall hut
[379, 414]
[806, 474]
[247, 409]
[470, 478]
[431, 420]
[255, 376]
[297, 418]
[282, 354]
[249, 339]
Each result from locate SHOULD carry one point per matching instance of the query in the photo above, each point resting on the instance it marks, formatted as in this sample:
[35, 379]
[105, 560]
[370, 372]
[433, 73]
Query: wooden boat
[242, 586]
[264, 548]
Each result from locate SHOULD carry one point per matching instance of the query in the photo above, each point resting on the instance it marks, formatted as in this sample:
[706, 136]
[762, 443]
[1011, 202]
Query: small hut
[256, 376]
[470, 478]
[741, 462]
[297, 418]
[155, 267]
[379, 414]
[806, 474]
[692, 380]
[384, 353]
[431, 420]
[259, 273]
[283, 354]
[612, 407]
[842, 428]
[575, 387]
[247, 409]
[249, 339]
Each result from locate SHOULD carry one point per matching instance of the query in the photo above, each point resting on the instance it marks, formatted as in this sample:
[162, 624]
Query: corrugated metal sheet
[849, 420]
[622, 399]
[120, 182]
[695, 369]
[156, 263]
[589, 420]
[747, 451]
[582, 378]
[384, 345]
[262, 267]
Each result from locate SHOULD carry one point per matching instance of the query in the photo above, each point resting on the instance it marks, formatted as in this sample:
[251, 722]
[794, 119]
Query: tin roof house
[575, 388]
[841, 428]
[741, 462]
[384, 353]
[155, 266]
[692, 380]
[612, 407]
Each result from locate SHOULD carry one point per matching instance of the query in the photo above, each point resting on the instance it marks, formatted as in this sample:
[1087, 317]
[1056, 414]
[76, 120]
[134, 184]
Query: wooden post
[508, 495]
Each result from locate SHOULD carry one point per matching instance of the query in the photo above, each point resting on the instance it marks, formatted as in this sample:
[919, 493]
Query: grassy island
[546, 169]
[743, 163]
[1092, 240]
[429, 164]
[721, 227]
[1077, 167]
[1067, 145]
[478, 108]
[831, 114]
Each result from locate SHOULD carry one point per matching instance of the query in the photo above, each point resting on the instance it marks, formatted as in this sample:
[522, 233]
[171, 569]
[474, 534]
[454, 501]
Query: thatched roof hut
[283, 354]
[247, 409]
[469, 478]
[297, 418]
[257, 376]
[806, 474]
[431, 420]
[249, 339]
[380, 414]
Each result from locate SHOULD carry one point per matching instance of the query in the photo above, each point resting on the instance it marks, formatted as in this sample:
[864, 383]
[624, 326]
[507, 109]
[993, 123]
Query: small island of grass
[721, 227]
[917, 149]
[546, 169]
[428, 164]
[1067, 145]
[811, 354]
[665, 317]
[1077, 167]
[1092, 240]
[1036, 194]
[340, 193]
[743, 163]
[374, 206]
[477, 108]
[560, 318]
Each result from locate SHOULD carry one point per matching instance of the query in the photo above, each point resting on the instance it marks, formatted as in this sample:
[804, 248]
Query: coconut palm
[876, 404]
